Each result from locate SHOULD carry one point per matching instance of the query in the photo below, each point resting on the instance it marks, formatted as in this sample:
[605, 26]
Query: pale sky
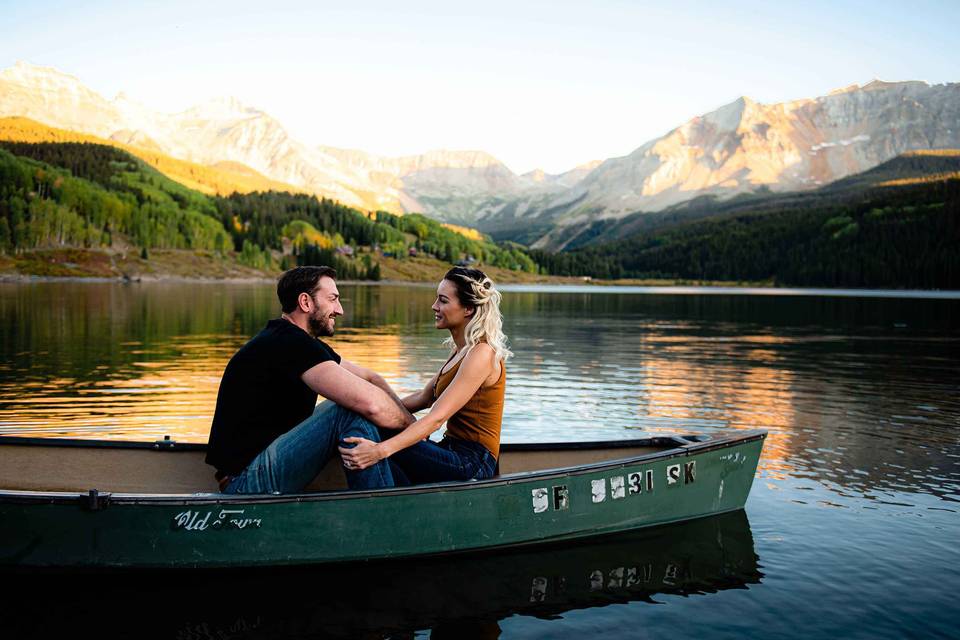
[536, 84]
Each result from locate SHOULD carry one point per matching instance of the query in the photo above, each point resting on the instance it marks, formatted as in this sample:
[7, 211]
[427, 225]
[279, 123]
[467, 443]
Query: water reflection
[455, 597]
[860, 395]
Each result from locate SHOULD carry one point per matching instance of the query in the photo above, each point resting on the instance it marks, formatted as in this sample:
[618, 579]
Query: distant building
[345, 250]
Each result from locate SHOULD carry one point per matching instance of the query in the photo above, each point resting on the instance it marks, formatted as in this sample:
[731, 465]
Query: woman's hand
[476, 366]
[365, 454]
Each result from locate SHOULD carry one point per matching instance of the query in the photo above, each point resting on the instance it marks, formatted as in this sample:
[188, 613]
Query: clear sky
[537, 84]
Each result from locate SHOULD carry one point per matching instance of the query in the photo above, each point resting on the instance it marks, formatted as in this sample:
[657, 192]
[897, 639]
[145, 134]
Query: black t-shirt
[261, 394]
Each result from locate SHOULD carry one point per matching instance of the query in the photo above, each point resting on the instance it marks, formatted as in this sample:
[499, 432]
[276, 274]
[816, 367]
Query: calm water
[852, 528]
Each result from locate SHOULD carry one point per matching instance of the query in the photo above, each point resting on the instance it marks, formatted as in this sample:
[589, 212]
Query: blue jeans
[449, 459]
[295, 458]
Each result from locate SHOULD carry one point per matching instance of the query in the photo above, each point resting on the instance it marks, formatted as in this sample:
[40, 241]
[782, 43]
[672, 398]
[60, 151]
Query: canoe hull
[215, 530]
[386, 599]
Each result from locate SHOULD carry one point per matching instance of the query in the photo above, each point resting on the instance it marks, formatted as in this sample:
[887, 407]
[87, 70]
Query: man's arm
[370, 376]
[376, 380]
[338, 384]
[477, 365]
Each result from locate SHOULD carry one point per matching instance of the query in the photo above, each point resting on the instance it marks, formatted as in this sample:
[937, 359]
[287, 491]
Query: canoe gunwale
[174, 446]
[684, 446]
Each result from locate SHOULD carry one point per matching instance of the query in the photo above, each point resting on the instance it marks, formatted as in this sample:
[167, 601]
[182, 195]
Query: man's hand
[365, 454]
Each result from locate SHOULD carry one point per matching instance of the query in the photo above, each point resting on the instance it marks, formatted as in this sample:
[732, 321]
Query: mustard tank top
[480, 418]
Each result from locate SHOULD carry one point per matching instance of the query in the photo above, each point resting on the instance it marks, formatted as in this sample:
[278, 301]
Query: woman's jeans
[294, 459]
[449, 459]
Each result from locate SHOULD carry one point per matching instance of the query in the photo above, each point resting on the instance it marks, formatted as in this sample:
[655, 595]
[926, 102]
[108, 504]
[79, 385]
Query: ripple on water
[860, 474]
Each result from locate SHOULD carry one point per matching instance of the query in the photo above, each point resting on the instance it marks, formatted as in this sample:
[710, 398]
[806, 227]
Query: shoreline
[546, 285]
[531, 280]
[179, 266]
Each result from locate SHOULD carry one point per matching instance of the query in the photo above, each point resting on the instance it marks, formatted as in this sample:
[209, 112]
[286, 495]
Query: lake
[851, 528]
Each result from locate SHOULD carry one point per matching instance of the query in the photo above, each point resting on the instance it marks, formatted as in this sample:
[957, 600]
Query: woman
[467, 393]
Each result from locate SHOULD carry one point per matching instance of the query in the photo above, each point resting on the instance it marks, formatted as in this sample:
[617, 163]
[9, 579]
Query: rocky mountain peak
[55, 98]
[740, 147]
[847, 89]
[729, 116]
[46, 81]
[453, 159]
[124, 99]
[745, 145]
[880, 85]
[36, 75]
[222, 109]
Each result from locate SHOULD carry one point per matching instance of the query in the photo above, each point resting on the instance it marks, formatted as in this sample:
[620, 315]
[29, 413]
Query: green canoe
[98, 504]
[455, 595]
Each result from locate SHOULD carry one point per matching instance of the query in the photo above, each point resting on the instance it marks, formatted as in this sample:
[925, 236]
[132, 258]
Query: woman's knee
[484, 471]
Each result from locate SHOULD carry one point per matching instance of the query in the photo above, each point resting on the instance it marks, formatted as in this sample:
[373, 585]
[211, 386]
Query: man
[268, 433]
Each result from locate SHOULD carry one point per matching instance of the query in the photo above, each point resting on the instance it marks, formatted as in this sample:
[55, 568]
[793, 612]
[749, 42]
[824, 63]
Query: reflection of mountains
[450, 595]
[860, 394]
[857, 393]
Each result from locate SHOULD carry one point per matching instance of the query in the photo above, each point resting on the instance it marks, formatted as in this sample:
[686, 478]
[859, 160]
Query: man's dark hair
[300, 280]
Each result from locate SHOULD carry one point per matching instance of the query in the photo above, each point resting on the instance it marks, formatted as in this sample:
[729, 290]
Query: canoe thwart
[94, 500]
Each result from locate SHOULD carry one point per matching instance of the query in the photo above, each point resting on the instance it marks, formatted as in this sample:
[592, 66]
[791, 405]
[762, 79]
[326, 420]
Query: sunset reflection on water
[825, 377]
[854, 508]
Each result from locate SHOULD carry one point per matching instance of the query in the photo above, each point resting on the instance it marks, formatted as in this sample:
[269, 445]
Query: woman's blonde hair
[476, 291]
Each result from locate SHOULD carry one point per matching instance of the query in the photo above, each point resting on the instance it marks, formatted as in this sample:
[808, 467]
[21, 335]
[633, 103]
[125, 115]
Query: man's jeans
[294, 459]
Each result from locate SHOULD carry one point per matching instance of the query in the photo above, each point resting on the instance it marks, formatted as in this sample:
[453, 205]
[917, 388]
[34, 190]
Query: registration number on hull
[617, 487]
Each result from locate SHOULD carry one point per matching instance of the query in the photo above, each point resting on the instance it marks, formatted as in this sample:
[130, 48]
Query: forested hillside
[94, 196]
[909, 168]
[905, 232]
[46, 206]
[893, 226]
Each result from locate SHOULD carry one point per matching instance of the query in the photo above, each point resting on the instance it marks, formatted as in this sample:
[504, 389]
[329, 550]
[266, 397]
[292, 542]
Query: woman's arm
[475, 368]
[421, 399]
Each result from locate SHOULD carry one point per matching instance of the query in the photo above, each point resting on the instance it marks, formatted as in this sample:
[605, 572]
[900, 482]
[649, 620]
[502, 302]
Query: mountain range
[739, 148]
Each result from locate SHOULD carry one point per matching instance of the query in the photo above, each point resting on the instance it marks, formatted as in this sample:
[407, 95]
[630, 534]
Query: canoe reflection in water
[458, 596]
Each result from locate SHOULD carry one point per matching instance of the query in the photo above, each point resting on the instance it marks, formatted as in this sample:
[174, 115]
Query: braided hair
[475, 290]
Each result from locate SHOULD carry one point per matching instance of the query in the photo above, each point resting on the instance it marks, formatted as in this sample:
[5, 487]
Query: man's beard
[319, 328]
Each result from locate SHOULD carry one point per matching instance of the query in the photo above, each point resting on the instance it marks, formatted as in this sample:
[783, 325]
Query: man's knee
[370, 430]
[358, 426]
[347, 420]
[324, 407]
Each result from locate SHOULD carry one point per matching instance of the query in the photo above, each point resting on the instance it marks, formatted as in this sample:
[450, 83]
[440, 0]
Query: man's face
[326, 308]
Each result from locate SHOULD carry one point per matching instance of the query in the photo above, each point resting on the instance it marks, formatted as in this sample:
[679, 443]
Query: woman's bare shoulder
[483, 352]
[484, 359]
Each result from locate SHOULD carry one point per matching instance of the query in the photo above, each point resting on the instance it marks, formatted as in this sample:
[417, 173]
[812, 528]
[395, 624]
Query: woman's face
[448, 313]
